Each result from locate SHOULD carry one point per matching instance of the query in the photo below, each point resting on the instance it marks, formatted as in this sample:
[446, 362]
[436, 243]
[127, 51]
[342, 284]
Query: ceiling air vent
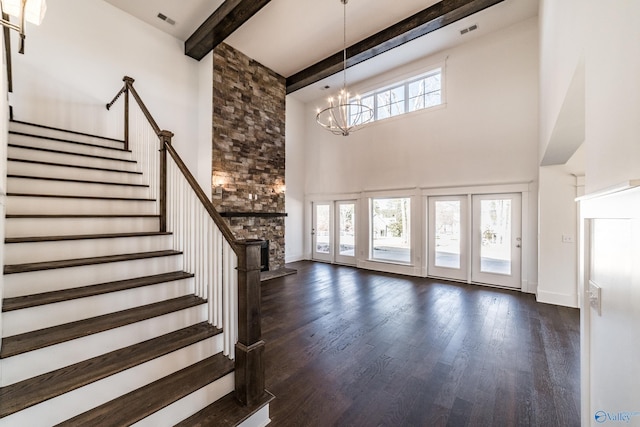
[166, 19]
[469, 29]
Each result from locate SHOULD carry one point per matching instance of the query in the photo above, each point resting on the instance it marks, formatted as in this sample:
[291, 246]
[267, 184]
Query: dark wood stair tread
[63, 196]
[22, 343]
[27, 301]
[35, 239]
[140, 403]
[73, 132]
[32, 391]
[77, 262]
[52, 150]
[81, 216]
[69, 141]
[38, 162]
[80, 181]
[225, 412]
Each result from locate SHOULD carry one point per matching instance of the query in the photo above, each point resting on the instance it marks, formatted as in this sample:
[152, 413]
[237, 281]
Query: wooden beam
[225, 20]
[424, 22]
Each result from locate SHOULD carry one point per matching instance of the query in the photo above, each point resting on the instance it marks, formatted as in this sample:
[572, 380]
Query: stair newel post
[165, 139]
[249, 367]
[128, 81]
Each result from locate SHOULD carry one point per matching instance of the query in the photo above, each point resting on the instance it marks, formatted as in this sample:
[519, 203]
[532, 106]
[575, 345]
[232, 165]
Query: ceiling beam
[426, 21]
[225, 20]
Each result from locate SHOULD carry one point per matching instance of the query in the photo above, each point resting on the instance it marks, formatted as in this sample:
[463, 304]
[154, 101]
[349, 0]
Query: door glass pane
[347, 223]
[447, 233]
[495, 229]
[391, 229]
[323, 218]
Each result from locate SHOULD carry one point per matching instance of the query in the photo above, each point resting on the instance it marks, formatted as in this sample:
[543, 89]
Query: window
[415, 94]
[391, 229]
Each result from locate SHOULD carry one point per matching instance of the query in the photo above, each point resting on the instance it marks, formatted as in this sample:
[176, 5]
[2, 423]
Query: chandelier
[344, 113]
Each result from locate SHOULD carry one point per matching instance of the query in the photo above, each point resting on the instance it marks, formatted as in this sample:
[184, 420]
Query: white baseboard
[294, 258]
[566, 300]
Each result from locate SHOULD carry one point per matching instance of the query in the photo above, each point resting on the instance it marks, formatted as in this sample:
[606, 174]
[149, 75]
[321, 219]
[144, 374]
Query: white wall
[205, 123]
[294, 179]
[557, 222]
[562, 28]
[612, 94]
[486, 134]
[74, 63]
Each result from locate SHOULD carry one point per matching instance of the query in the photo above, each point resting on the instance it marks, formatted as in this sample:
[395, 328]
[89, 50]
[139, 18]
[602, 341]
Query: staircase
[101, 322]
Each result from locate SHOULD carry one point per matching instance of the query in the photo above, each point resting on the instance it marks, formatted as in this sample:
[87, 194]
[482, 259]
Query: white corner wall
[562, 28]
[294, 179]
[205, 123]
[74, 63]
[558, 237]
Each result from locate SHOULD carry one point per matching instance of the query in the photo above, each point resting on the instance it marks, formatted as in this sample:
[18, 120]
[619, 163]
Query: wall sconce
[217, 182]
[279, 189]
[25, 10]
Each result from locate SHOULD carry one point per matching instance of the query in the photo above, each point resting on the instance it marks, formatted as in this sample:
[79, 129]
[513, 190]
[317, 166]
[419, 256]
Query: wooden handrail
[128, 81]
[215, 215]
[165, 141]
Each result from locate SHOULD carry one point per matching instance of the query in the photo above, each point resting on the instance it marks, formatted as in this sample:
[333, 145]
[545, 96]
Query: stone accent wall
[249, 147]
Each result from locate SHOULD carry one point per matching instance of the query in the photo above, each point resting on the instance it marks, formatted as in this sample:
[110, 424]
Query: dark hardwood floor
[348, 347]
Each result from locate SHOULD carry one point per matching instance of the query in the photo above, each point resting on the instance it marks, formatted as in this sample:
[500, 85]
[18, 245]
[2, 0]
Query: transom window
[415, 94]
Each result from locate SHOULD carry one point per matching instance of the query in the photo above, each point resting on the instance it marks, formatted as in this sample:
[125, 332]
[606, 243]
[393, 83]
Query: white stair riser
[34, 318]
[85, 398]
[35, 282]
[259, 418]
[190, 404]
[37, 362]
[35, 130]
[48, 171]
[21, 253]
[65, 188]
[69, 159]
[23, 205]
[30, 227]
[52, 144]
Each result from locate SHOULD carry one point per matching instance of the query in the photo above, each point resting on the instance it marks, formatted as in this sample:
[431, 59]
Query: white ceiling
[289, 35]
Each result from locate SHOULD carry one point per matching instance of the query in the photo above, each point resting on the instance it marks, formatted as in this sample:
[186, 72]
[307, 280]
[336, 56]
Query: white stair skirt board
[47, 359]
[36, 282]
[70, 188]
[259, 419]
[34, 205]
[32, 227]
[28, 252]
[190, 404]
[60, 134]
[81, 148]
[76, 402]
[69, 159]
[33, 318]
[52, 171]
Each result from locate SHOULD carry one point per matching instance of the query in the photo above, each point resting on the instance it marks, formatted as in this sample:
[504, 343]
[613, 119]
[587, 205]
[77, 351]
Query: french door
[496, 239]
[334, 232]
[476, 238]
[448, 230]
